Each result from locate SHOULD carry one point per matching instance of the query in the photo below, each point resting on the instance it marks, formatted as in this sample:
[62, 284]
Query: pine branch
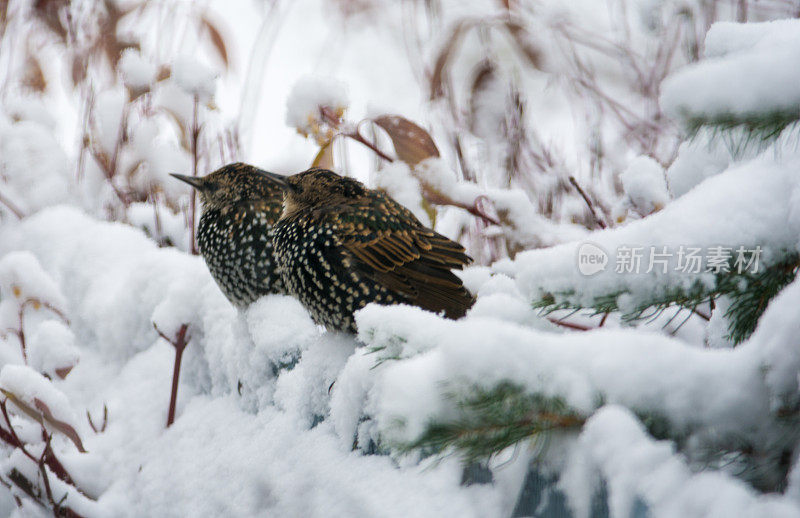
[749, 294]
[490, 420]
[742, 130]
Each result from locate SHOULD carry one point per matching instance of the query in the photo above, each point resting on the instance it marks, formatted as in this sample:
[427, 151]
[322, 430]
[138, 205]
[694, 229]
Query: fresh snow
[766, 215]
[244, 407]
[308, 96]
[137, 72]
[615, 444]
[645, 185]
[194, 77]
[277, 417]
[744, 73]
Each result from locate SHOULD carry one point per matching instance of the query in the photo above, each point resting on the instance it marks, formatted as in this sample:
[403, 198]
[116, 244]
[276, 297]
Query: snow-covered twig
[11, 206]
[179, 342]
[597, 219]
[102, 428]
[46, 463]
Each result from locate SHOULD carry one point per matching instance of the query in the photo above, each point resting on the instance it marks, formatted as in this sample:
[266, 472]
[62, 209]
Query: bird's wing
[390, 246]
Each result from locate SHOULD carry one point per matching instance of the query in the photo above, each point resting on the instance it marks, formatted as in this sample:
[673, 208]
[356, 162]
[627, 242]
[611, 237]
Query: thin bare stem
[569, 325]
[12, 207]
[102, 428]
[193, 204]
[358, 137]
[603, 320]
[179, 342]
[600, 222]
[20, 331]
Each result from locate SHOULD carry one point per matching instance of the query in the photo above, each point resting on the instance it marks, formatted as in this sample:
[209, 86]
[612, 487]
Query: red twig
[334, 121]
[179, 342]
[109, 164]
[437, 198]
[600, 222]
[356, 135]
[20, 332]
[58, 509]
[603, 320]
[11, 438]
[569, 325]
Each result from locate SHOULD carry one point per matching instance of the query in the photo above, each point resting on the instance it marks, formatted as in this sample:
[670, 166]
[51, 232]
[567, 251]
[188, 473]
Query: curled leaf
[444, 56]
[519, 34]
[181, 124]
[79, 67]
[324, 158]
[49, 12]
[411, 142]
[42, 414]
[61, 426]
[34, 76]
[63, 372]
[164, 72]
[216, 40]
[484, 74]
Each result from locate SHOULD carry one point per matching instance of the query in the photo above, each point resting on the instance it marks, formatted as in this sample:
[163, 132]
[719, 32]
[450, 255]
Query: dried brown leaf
[164, 72]
[324, 158]
[110, 43]
[27, 487]
[42, 414]
[412, 144]
[34, 76]
[444, 56]
[63, 372]
[3, 12]
[49, 12]
[216, 40]
[61, 426]
[131, 169]
[114, 48]
[79, 67]
[520, 35]
[135, 93]
[484, 75]
[185, 142]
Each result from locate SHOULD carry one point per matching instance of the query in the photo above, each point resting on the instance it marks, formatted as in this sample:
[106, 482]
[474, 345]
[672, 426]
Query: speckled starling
[340, 246]
[240, 206]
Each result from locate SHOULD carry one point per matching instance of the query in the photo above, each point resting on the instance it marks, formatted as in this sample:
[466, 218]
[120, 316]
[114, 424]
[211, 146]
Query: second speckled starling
[240, 207]
[340, 246]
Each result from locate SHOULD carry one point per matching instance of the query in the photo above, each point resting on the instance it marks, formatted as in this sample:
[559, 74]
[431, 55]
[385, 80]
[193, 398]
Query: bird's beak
[277, 179]
[194, 181]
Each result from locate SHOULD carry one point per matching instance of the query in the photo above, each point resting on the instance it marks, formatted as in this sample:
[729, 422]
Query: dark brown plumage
[340, 246]
[240, 207]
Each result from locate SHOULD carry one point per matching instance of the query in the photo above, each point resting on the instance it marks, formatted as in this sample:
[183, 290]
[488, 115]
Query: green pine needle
[490, 420]
[749, 294]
